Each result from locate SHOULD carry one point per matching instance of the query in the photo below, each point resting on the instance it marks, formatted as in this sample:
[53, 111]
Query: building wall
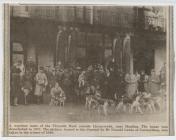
[160, 58]
[45, 57]
[154, 16]
[40, 32]
[31, 52]
[20, 11]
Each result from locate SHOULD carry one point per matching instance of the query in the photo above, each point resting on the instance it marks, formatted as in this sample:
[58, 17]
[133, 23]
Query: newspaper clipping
[88, 70]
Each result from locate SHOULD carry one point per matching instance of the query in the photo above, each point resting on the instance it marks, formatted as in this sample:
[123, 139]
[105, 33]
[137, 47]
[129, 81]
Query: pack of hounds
[58, 100]
[140, 103]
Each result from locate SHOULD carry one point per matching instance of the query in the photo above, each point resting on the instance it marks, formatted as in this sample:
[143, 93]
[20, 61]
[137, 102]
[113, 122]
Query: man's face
[41, 71]
[19, 63]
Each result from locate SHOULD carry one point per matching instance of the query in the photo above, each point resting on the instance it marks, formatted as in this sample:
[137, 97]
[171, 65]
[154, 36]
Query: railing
[113, 18]
[43, 12]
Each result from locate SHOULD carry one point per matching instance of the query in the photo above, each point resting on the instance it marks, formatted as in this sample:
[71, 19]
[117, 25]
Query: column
[117, 50]
[131, 62]
[57, 44]
[127, 54]
[72, 44]
[91, 15]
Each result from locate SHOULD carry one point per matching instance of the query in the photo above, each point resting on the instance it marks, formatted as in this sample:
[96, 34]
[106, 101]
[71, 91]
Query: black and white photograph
[88, 64]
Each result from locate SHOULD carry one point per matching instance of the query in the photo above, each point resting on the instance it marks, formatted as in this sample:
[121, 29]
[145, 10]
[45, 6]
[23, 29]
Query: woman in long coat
[146, 83]
[154, 83]
[67, 84]
[15, 85]
[141, 82]
[163, 77]
[27, 86]
[131, 85]
[41, 83]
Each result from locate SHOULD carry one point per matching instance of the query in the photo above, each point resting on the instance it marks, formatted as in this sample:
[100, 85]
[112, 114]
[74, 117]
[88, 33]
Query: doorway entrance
[144, 60]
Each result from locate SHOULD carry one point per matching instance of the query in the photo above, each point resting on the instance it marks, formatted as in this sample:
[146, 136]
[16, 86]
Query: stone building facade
[88, 34]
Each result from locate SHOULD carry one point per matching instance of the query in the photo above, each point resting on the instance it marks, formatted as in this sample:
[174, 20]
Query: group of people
[34, 86]
[141, 82]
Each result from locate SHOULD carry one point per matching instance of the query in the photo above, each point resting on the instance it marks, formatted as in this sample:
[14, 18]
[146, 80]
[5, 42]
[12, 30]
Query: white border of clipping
[119, 2]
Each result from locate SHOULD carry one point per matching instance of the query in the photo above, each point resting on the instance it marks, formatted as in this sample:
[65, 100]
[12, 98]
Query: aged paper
[88, 70]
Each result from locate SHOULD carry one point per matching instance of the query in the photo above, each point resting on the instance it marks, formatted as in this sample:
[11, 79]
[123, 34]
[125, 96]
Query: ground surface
[75, 113]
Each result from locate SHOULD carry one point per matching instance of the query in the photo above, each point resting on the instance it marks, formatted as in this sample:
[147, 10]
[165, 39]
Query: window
[17, 47]
[88, 14]
[26, 8]
[81, 39]
[108, 42]
[79, 13]
[99, 17]
[114, 19]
